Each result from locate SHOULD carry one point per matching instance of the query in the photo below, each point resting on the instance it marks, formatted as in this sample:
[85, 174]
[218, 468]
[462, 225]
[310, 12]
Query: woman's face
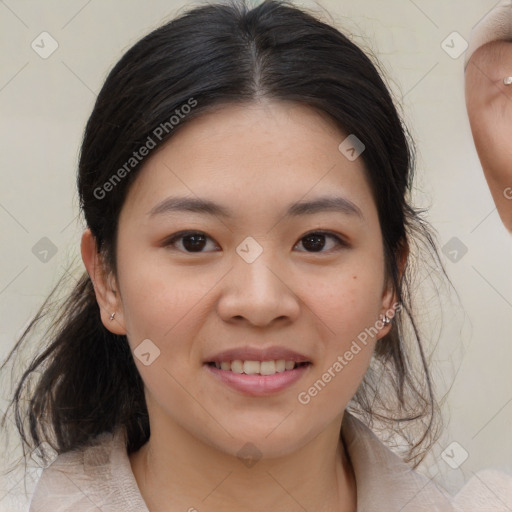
[257, 276]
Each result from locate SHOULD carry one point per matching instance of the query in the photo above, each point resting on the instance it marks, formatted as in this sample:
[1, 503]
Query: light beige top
[99, 478]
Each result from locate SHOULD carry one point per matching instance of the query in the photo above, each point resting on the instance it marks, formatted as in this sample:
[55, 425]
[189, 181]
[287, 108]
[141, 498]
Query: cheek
[348, 301]
[166, 311]
[159, 301]
[348, 306]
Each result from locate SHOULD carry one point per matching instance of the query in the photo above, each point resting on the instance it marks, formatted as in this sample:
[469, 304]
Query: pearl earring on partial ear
[112, 316]
[386, 320]
[507, 80]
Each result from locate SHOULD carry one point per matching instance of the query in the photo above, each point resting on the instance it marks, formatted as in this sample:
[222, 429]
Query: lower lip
[259, 385]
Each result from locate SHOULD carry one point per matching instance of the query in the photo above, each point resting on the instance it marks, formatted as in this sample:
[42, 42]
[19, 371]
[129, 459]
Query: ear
[390, 304]
[105, 287]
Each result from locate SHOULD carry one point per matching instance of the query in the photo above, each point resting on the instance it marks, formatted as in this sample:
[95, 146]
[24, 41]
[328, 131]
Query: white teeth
[251, 367]
[256, 367]
[280, 365]
[267, 368]
[237, 366]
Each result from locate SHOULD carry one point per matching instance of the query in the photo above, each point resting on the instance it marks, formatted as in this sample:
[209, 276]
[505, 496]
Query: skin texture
[489, 106]
[255, 159]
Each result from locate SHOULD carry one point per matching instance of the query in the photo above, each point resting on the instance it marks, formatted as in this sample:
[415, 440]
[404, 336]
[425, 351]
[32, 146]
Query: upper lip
[258, 354]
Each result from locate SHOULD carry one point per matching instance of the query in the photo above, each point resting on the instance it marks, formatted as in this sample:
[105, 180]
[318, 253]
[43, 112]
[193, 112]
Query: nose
[258, 293]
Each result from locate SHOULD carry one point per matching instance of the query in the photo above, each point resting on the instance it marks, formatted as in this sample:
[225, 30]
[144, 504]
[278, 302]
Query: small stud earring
[386, 320]
[112, 316]
[507, 80]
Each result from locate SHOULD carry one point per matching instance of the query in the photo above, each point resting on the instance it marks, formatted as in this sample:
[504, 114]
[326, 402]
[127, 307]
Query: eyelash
[182, 234]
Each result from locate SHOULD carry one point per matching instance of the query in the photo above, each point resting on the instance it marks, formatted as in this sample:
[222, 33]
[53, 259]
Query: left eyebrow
[205, 206]
[336, 204]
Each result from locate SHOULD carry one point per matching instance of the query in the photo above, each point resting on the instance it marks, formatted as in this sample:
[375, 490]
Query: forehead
[253, 156]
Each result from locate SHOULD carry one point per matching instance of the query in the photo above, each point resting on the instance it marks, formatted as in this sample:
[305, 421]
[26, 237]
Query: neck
[187, 474]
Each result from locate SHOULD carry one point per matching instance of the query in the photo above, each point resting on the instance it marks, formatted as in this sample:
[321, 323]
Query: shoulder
[96, 478]
[489, 489]
[384, 481]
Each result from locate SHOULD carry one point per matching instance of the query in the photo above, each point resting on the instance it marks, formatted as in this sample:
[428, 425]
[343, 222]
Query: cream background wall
[44, 106]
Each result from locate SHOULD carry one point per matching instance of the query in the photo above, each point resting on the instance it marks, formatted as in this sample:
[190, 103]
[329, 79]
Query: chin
[266, 443]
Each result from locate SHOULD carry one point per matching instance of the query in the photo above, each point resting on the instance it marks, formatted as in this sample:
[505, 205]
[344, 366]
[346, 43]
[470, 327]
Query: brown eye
[316, 241]
[191, 241]
[194, 243]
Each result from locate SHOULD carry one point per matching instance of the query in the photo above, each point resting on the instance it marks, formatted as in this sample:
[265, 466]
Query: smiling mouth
[257, 367]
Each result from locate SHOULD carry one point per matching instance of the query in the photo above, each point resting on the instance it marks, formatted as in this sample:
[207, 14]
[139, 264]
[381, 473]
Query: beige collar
[99, 477]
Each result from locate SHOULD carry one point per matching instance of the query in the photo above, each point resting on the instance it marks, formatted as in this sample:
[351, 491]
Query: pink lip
[258, 354]
[258, 385]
